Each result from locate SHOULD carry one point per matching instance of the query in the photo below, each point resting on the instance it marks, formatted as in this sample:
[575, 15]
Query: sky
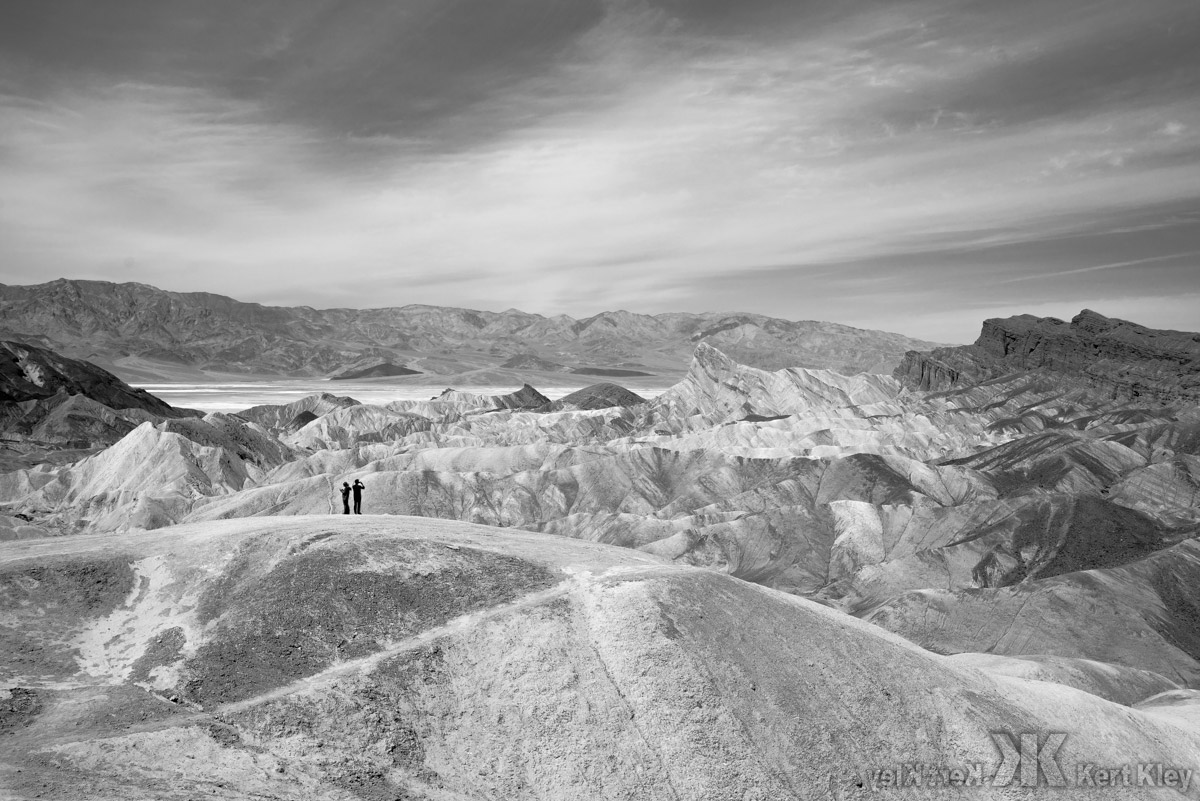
[908, 166]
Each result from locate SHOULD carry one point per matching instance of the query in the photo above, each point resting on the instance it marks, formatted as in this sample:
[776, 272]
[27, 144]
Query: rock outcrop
[277, 417]
[54, 409]
[29, 373]
[1122, 359]
[717, 390]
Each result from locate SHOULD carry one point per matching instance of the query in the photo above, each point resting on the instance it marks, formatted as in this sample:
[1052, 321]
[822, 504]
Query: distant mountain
[612, 372]
[143, 332]
[380, 370]
[596, 396]
[1123, 359]
[530, 362]
[524, 398]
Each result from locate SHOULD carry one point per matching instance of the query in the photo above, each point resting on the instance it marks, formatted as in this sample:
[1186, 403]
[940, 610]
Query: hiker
[358, 488]
[345, 498]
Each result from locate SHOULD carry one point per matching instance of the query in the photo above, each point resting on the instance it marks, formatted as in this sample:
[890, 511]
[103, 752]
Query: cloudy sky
[910, 166]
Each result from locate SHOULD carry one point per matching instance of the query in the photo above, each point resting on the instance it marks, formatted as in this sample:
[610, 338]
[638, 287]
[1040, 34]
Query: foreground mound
[374, 658]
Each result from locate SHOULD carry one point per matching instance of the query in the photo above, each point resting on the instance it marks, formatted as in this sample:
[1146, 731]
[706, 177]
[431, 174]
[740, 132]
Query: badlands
[979, 576]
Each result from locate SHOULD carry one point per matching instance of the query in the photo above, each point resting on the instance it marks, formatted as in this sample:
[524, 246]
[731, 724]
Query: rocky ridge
[29, 373]
[1121, 359]
[138, 330]
[55, 409]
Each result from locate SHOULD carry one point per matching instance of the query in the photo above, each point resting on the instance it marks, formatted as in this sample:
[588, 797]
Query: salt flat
[232, 397]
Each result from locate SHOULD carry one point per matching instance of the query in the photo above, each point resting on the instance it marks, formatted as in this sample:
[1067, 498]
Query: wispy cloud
[1116, 265]
[641, 160]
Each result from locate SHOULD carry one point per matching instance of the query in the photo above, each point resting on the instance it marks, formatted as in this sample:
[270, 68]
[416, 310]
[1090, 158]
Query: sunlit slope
[310, 657]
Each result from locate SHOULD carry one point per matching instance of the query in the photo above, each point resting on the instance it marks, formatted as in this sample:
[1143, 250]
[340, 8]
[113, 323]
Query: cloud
[643, 160]
[1116, 265]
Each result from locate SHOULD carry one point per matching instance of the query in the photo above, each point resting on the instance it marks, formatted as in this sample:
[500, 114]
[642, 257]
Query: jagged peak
[527, 395]
[707, 359]
[1097, 324]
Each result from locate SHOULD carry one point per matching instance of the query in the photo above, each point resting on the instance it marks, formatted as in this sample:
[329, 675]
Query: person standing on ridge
[358, 488]
[345, 498]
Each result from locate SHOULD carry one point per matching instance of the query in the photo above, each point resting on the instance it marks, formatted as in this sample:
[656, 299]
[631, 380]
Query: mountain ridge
[53, 407]
[1122, 359]
[139, 330]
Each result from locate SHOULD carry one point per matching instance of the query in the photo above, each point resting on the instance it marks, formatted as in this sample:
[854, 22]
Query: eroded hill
[57, 409]
[1031, 536]
[391, 657]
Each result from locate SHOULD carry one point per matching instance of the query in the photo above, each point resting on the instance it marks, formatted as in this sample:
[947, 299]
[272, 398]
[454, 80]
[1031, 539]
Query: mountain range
[146, 334]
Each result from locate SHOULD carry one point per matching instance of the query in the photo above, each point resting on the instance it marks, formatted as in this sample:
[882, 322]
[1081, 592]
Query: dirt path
[574, 584]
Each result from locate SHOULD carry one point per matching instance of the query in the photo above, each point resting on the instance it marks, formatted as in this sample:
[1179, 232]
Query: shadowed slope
[54, 409]
[279, 416]
[29, 373]
[1144, 615]
[596, 396]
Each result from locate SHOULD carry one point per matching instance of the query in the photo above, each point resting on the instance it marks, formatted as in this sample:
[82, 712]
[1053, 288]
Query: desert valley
[599, 400]
[820, 563]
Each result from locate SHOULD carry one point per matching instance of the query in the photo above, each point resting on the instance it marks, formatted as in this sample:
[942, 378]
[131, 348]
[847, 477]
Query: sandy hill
[387, 657]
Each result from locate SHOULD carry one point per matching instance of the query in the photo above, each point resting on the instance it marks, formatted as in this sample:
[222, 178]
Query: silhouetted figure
[346, 498]
[358, 488]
